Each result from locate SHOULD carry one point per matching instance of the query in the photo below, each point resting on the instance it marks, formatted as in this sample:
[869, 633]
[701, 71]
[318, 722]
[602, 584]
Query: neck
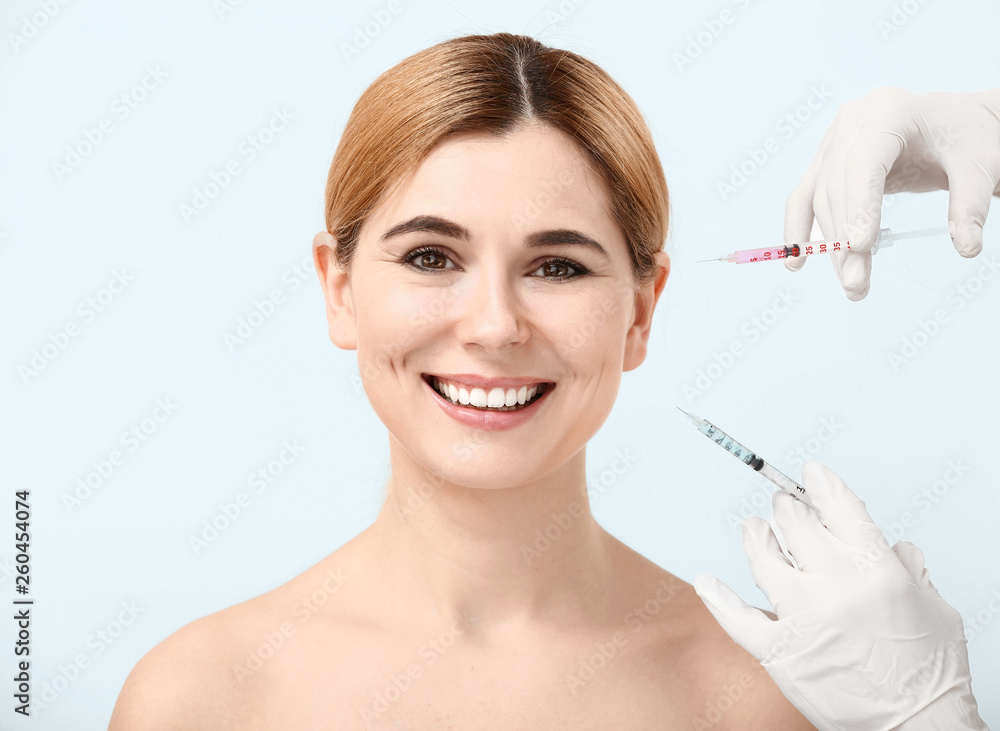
[492, 558]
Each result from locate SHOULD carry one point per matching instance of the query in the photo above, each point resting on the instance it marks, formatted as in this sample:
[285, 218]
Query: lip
[482, 418]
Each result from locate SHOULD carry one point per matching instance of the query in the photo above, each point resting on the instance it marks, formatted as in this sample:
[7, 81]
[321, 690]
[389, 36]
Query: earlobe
[336, 285]
[645, 302]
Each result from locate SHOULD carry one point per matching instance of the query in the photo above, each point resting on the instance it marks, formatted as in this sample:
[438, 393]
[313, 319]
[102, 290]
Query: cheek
[426, 307]
[382, 336]
[393, 320]
[400, 314]
[592, 327]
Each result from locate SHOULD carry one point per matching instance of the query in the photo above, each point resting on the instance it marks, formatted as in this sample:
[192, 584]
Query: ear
[645, 302]
[336, 286]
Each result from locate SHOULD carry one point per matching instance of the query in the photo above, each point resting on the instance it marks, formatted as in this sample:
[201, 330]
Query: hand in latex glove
[937, 141]
[863, 641]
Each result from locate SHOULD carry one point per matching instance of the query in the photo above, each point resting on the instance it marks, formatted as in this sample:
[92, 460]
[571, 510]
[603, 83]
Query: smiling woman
[495, 216]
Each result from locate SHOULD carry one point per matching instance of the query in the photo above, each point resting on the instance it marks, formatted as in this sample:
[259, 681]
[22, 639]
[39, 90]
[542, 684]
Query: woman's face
[496, 275]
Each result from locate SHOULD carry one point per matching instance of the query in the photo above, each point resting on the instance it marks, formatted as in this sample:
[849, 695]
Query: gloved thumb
[795, 263]
[747, 626]
[912, 559]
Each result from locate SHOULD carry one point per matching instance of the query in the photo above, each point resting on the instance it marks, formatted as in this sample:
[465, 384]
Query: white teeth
[496, 398]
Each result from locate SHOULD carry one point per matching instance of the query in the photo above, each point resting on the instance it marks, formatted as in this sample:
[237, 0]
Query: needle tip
[694, 419]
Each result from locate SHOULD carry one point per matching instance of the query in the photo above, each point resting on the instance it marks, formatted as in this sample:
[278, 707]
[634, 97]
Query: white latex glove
[862, 640]
[891, 141]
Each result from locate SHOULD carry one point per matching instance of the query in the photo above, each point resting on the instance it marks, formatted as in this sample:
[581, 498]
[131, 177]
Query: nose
[492, 314]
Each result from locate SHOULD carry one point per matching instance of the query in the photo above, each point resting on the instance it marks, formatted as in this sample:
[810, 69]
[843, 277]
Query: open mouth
[494, 399]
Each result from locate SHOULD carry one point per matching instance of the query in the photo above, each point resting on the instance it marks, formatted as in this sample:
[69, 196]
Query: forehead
[533, 177]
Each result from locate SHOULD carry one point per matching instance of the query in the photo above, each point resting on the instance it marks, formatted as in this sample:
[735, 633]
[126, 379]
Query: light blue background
[61, 239]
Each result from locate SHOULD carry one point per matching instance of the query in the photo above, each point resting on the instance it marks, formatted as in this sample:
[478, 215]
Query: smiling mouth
[494, 399]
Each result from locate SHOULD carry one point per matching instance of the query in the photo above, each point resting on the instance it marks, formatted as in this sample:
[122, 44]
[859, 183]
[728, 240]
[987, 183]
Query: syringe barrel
[736, 449]
[785, 482]
[746, 256]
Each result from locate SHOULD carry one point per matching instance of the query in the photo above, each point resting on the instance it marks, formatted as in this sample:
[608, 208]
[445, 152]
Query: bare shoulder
[717, 684]
[185, 681]
[735, 690]
[212, 673]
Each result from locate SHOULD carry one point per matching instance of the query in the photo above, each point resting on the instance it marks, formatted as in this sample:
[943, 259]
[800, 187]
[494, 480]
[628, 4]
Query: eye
[428, 259]
[561, 269]
[433, 259]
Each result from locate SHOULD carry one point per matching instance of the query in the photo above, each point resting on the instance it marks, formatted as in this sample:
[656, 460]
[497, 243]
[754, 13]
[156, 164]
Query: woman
[495, 214]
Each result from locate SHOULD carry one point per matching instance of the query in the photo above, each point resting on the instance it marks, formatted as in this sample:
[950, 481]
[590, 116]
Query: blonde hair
[490, 84]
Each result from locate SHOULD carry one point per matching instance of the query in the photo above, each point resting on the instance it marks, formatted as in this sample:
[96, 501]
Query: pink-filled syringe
[885, 239]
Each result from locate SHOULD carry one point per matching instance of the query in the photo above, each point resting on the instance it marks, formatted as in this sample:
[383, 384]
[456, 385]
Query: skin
[448, 612]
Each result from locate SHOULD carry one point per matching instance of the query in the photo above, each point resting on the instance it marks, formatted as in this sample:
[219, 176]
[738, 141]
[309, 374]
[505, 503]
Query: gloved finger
[799, 212]
[868, 163]
[809, 542]
[772, 571]
[796, 263]
[970, 189]
[843, 513]
[853, 270]
[749, 627]
[831, 185]
[828, 230]
[824, 227]
[912, 559]
[831, 214]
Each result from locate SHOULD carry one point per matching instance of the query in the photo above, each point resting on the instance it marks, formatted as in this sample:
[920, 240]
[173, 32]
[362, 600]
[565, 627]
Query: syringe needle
[725, 259]
[694, 419]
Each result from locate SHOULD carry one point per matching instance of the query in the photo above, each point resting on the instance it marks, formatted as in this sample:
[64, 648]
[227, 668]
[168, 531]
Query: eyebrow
[451, 230]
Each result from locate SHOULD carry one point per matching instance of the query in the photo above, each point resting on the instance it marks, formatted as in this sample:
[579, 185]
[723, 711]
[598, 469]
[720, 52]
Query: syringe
[743, 454]
[885, 239]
